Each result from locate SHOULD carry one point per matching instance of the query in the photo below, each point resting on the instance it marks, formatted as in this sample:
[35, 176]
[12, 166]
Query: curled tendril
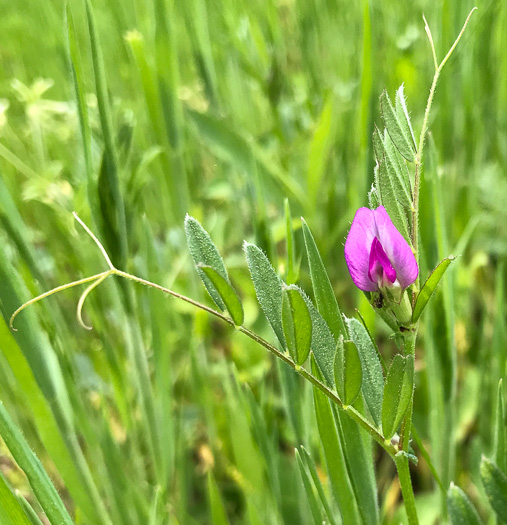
[94, 279]
[82, 299]
[61, 288]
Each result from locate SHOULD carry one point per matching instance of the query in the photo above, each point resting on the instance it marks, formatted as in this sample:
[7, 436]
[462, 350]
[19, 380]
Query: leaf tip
[189, 219]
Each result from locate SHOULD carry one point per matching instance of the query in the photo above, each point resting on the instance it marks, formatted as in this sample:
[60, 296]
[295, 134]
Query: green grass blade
[448, 289]
[291, 249]
[318, 484]
[500, 334]
[297, 403]
[241, 151]
[218, 514]
[495, 485]
[227, 293]
[333, 452]
[364, 120]
[49, 432]
[155, 517]
[357, 447]
[32, 340]
[320, 148]
[172, 198]
[112, 207]
[11, 510]
[31, 514]
[309, 491]
[246, 454]
[199, 29]
[18, 232]
[136, 352]
[76, 65]
[222, 139]
[443, 314]
[42, 486]
[168, 71]
[429, 287]
[499, 433]
[427, 458]
[150, 88]
[461, 510]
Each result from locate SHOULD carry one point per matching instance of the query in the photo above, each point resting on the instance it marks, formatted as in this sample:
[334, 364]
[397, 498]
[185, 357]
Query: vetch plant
[357, 397]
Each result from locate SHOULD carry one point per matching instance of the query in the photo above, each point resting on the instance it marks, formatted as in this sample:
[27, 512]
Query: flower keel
[377, 255]
[380, 269]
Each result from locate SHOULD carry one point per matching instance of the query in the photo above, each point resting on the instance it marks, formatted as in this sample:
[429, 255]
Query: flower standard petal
[357, 249]
[396, 248]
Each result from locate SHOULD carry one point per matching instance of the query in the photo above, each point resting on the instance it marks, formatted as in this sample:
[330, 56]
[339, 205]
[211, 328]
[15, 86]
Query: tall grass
[223, 110]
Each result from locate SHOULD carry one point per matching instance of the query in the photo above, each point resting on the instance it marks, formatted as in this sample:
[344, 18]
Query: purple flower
[377, 255]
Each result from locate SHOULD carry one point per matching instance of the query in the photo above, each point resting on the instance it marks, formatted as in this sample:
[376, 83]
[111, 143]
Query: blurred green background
[223, 109]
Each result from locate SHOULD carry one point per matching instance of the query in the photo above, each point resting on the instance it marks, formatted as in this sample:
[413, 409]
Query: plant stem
[409, 348]
[424, 129]
[96, 279]
[351, 411]
[401, 459]
[407, 490]
[418, 166]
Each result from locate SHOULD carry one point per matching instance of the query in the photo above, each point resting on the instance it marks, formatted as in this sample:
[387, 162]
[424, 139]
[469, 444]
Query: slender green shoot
[96, 279]
[424, 129]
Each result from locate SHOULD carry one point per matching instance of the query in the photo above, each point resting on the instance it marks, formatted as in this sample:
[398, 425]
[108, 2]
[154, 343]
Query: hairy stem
[424, 130]
[418, 167]
[331, 394]
[401, 459]
[402, 465]
[351, 411]
[409, 348]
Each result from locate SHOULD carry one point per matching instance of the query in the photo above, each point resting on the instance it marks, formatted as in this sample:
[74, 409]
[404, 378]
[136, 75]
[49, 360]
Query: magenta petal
[358, 246]
[375, 251]
[380, 265]
[396, 248]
